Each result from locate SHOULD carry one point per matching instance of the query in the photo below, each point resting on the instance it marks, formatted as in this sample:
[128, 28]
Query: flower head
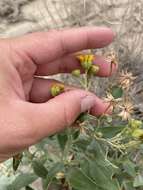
[112, 101]
[126, 110]
[110, 98]
[86, 60]
[76, 73]
[126, 79]
[111, 58]
[60, 175]
[94, 69]
[57, 89]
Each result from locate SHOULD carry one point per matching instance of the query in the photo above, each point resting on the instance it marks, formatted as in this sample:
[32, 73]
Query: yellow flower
[126, 79]
[80, 58]
[86, 60]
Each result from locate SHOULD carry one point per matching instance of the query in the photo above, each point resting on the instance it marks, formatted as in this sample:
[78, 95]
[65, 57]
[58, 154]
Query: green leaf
[138, 182]
[5, 182]
[62, 140]
[97, 149]
[21, 181]
[57, 167]
[82, 117]
[39, 169]
[102, 176]
[129, 168]
[109, 132]
[128, 185]
[84, 165]
[117, 92]
[76, 134]
[82, 143]
[79, 180]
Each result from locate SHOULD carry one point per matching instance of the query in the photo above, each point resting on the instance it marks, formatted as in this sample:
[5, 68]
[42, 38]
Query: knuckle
[68, 114]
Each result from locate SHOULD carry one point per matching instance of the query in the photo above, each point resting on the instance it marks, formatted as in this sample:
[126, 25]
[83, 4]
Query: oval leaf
[39, 169]
[21, 181]
[79, 180]
[117, 92]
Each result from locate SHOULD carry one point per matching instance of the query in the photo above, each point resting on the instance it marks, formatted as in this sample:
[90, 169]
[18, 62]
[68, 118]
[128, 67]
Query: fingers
[44, 47]
[60, 112]
[106, 67]
[40, 91]
[68, 63]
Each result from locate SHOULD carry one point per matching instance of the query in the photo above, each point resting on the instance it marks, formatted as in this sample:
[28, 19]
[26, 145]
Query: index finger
[43, 47]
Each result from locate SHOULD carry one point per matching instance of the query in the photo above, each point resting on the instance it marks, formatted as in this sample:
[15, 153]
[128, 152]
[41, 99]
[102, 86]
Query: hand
[27, 112]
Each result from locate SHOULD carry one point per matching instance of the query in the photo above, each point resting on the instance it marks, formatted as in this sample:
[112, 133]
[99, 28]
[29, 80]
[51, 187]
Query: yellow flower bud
[76, 72]
[86, 61]
[57, 89]
[80, 58]
[91, 58]
[137, 133]
[135, 123]
[94, 69]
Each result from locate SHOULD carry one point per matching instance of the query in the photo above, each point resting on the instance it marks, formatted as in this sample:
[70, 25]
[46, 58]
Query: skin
[27, 112]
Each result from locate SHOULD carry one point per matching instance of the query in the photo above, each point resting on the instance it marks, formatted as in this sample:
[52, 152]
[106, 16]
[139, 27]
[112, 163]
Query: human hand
[27, 112]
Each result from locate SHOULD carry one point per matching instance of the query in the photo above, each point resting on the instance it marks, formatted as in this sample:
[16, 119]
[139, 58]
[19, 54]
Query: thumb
[60, 112]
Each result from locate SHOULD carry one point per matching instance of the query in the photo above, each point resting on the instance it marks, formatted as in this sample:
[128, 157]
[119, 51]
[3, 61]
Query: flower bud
[135, 123]
[57, 89]
[76, 72]
[99, 134]
[60, 175]
[94, 69]
[80, 58]
[86, 61]
[138, 133]
[86, 65]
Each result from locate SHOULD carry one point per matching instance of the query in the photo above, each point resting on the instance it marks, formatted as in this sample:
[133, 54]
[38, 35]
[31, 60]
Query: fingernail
[87, 103]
